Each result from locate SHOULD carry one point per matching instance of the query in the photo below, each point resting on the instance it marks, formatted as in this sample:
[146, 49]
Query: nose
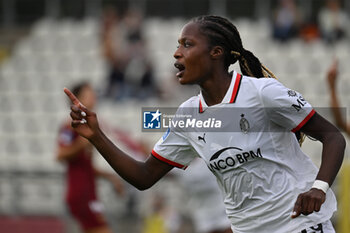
[177, 53]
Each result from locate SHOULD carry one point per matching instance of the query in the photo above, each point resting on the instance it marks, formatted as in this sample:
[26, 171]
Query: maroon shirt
[80, 172]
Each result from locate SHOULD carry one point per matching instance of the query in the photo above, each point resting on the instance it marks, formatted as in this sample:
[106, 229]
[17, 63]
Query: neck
[215, 88]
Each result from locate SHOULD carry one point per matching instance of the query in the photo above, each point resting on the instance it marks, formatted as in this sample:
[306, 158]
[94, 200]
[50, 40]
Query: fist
[309, 202]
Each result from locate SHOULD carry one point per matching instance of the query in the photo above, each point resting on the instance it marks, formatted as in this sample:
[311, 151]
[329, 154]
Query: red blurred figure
[76, 152]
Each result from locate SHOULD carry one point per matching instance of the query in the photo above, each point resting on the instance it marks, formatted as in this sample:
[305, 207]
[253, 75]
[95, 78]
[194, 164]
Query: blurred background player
[156, 220]
[204, 199]
[76, 152]
[332, 76]
[340, 120]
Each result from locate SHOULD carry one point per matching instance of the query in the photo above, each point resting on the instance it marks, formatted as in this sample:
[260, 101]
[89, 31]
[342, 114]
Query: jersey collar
[230, 96]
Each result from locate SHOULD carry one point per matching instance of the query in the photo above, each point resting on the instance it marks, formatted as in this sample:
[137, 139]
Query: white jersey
[258, 162]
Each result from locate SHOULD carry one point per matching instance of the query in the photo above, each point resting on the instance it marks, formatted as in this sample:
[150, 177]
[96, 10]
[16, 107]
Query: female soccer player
[269, 184]
[76, 152]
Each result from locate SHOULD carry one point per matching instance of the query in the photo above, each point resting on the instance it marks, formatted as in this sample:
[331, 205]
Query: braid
[222, 32]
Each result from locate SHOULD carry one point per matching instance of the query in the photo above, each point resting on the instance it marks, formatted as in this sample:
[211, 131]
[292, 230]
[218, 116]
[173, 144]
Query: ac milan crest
[244, 124]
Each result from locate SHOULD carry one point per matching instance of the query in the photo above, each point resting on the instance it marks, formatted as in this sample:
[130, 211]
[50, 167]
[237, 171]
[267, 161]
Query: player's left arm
[332, 157]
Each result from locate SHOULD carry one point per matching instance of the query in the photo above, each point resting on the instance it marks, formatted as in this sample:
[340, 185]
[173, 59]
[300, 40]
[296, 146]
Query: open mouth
[181, 69]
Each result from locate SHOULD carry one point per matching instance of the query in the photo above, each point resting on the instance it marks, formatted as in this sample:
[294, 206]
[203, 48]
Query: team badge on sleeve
[291, 93]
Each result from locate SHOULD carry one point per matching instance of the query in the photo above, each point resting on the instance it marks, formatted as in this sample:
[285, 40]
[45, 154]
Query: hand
[84, 121]
[309, 202]
[332, 74]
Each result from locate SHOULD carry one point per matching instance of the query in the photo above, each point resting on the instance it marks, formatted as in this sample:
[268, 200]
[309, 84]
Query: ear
[216, 52]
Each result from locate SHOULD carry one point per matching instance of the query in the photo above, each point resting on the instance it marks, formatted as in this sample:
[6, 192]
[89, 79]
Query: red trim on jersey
[155, 154]
[307, 118]
[236, 88]
[200, 106]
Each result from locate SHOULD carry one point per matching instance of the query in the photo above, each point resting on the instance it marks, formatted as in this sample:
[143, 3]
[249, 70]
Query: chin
[186, 81]
[182, 81]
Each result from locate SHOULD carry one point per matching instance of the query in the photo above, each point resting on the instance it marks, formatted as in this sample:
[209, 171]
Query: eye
[187, 44]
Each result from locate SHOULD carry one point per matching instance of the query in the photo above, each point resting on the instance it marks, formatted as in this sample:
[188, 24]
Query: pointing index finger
[72, 97]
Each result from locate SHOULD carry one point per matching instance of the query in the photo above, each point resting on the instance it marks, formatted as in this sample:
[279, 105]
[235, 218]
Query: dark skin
[204, 65]
[332, 158]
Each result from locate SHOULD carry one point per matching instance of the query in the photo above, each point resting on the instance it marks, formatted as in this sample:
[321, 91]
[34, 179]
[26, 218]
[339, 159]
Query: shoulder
[264, 85]
[190, 103]
[260, 85]
[267, 90]
[260, 82]
[66, 133]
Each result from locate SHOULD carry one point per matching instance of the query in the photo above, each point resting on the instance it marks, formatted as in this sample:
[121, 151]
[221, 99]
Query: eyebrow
[183, 39]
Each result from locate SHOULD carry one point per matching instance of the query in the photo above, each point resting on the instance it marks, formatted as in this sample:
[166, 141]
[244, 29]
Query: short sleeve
[284, 106]
[174, 148]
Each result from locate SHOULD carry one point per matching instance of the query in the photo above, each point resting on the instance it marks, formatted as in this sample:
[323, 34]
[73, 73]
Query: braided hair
[222, 32]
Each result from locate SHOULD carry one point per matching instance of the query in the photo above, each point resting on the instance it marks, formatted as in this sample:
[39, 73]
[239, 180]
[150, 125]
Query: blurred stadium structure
[46, 45]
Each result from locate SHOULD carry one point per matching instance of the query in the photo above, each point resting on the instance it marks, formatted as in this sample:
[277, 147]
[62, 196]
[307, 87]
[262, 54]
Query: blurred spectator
[332, 21]
[286, 20]
[124, 48]
[76, 152]
[113, 51]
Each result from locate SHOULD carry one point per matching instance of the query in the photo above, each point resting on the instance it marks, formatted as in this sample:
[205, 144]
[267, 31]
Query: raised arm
[142, 175]
[332, 76]
[332, 157]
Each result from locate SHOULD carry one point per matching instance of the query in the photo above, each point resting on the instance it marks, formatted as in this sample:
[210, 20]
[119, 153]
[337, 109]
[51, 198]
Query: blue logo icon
[152, 120]
[166, 134]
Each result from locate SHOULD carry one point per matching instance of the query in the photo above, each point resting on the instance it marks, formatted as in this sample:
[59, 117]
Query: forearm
[66, 153]
[140, 174]
[133, 171]
[332, 157]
